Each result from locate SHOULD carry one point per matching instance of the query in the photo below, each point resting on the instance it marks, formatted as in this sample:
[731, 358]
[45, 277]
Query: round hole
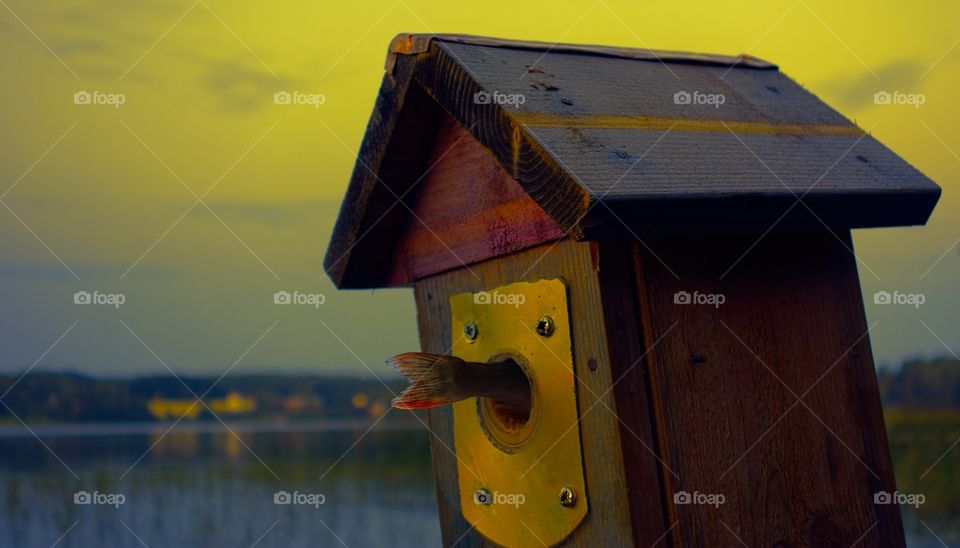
[506, 425]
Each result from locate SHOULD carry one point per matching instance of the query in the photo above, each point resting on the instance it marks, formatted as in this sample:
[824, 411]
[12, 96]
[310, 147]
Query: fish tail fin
[431, 379]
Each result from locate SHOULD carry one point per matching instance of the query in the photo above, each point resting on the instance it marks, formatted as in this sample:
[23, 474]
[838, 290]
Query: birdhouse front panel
[592, 419]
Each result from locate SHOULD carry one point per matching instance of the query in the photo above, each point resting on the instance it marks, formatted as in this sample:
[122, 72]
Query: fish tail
[431, 379]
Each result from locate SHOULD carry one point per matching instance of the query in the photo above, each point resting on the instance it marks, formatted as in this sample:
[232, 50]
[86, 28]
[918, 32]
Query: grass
[926, 460]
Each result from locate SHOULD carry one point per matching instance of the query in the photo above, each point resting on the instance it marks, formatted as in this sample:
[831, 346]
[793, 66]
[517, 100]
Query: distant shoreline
[57, 430]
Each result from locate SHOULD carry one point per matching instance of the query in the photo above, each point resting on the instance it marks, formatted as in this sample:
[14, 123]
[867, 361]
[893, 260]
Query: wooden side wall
[769, 399]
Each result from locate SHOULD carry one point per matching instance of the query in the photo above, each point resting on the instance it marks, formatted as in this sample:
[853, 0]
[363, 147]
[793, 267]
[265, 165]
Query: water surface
[201, 485]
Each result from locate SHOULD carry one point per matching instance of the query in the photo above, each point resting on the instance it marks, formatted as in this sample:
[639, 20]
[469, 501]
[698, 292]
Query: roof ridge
[415, 43]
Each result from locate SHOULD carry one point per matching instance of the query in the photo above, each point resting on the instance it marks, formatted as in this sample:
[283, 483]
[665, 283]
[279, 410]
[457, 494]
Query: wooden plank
[626, 87]
[594, 129]
[725, 382]
[685, 179]
[371, 215]
[638, 439]
[465, 210]
[413, 43]
[614, 126]
[524, 157]
[608, 523]
[725, 164]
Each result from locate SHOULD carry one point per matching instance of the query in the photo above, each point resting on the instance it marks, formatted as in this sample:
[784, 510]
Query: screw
[470, 331]
[482, 496]
[545, 326]
[568, 497]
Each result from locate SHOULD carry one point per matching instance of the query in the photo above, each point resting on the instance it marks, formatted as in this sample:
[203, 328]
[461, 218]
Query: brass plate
[523, 467]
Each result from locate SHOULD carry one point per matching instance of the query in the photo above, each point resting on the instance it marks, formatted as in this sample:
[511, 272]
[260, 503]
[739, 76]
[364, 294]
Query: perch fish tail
[431, 379]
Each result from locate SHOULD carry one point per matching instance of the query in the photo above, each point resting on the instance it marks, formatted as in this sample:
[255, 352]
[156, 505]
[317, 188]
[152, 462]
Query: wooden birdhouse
[661, 241]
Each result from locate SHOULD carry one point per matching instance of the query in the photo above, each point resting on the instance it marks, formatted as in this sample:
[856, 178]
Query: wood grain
[371, 215]
[451, 84]
[646, 484]
[609, 521]
[598, 129]
[465, 210]
[725, 384]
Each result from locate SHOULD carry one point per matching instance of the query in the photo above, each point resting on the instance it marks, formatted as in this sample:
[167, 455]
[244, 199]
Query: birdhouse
[660, 242]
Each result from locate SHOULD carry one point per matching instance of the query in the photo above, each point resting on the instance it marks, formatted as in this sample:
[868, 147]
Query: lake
[343, 483]
[200, 485]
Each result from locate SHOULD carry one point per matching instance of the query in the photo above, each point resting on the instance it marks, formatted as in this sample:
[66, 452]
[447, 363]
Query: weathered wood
[594, 129]
[615, 125]
[465, 210]
[638, 441]
[371, 216]
[452, 85]
[725, 383]
[768, 399]
[413, 43]
[616, 131]
[609, 520]
[719, 421]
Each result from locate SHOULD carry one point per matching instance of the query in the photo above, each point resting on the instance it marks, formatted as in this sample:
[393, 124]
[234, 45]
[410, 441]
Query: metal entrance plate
[521, 482]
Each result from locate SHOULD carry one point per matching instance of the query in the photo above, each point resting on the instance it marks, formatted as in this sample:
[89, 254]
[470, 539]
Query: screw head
[545, 326]
[483, 497]
[568, 497]
[470, 331]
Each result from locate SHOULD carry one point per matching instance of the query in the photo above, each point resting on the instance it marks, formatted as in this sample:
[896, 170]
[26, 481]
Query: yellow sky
[100, 195]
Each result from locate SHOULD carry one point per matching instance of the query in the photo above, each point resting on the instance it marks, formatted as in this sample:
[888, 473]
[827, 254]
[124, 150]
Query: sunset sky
[104, 197]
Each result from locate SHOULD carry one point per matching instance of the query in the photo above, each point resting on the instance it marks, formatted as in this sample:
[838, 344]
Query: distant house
[166, 408]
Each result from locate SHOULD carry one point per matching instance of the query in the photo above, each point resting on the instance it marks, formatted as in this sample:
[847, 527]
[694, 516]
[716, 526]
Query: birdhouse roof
[612, 141]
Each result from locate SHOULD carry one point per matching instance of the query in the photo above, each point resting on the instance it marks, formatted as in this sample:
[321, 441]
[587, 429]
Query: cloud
[271, 215]
[90, 272]
[35, 272]
[65, 46]
[856, 91]
[241, 85]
